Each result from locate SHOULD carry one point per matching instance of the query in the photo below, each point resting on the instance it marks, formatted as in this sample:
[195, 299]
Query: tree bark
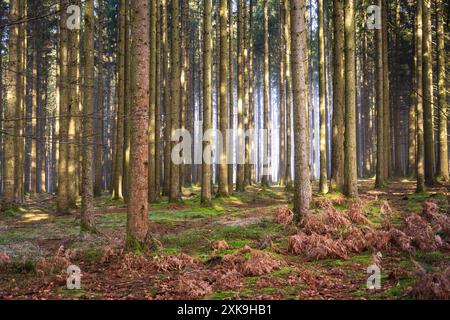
[302, 189]
[137, 215]
[87, 199]
[350, 167]
[322, 104]
[337, 156]
[175, 195]
[442, 94]
[207, 99]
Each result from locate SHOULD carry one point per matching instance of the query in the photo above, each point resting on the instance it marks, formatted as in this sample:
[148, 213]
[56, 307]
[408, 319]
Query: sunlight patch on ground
[33, 217]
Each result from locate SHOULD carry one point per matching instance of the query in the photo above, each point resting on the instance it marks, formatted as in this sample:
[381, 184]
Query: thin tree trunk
[175, 195]
[350, 167]
[167, 93]
[207, 100]
[337, 156]
[442, 94]
[287, 34]
[99, 156]
[10, 109]
[266, 176]
[420, 114]
[87, 199]
[152, 110]
[223, 169]
[119, 141]
[240, 93]
[231, 94]
[322, 104]
[282, 95]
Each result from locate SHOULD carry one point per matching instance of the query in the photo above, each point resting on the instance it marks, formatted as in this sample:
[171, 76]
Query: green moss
[282, 272]
[224, 295]
[134, 245]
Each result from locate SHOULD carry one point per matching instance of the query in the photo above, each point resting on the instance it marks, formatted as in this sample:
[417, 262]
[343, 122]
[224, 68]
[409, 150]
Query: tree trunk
[207, 100]
[87, 199]
[10, 109]
[287, 34]
[420, 114]
[322, 104]
[62, 196]
[152, 110]
[167, 93]
[223, 169]
[231, 94]
[137, 215]
[240, 106]
[100, 100]
[442, 94]
[381, 160]
[302, 192]
[350, 167]
[282, 96]
[266, 175]
[337, 156]
[175, 195]
[119, 141]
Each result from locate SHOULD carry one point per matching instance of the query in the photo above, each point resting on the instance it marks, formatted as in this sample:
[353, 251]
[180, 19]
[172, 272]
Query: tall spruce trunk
[137, 215]
[337, 156]
[302, 189]
[207, 101]
[350, 167]
[87, 184]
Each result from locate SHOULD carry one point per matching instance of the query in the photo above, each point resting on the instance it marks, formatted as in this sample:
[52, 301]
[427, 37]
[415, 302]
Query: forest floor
[234, 249]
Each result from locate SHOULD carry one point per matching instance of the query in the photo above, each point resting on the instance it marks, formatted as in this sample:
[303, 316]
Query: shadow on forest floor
[233, 249]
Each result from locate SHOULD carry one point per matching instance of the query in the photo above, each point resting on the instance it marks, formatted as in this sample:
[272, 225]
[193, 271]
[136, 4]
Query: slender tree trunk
[100, 107]
[386, 95]
[167, 97]
[34, 109]
[87, 200]
[350, 167]
[240, 93]
[322, 104]
[73, 116]
[287, 34]
[338, 156]
[381, 160]
[428, 95]
[251, 97]
[119, 141]
[223, 169]
[11, 106]
[62, 196]
[152, 110]
[412, 126]
[266, 175]
[175, 195]
[231, 94]
[158, 106]
[420, 113]
[442, 94]
[282, 97]
[207, 100]
[137, 217]
[302, 192]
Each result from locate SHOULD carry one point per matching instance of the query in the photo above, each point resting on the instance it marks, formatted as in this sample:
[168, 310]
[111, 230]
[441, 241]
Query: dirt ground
[234, 249]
